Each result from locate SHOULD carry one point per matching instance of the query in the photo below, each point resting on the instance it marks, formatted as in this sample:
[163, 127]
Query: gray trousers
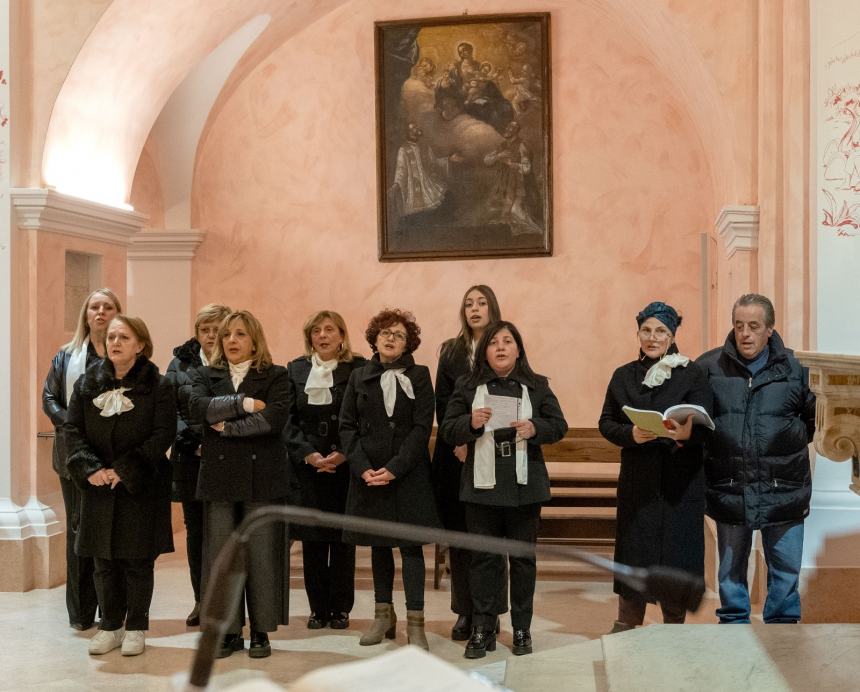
[264, 584]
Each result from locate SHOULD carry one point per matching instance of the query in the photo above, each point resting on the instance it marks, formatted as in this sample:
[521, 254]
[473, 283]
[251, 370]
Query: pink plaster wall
[147, 196]
[285, 188]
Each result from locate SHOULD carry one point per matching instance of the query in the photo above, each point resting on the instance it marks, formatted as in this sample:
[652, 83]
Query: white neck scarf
[388, 382]
[320, 381]
[471, 353]
[75, 367]
[662, 370]
[113, 403]
[203, 358]
[238, 372]
[485, 446]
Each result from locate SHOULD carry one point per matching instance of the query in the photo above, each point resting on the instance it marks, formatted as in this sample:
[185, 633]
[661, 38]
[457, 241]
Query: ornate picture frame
[464, 135]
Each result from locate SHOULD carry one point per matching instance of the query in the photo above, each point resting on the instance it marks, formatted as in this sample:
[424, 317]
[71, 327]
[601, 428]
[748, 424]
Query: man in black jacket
[757, 460]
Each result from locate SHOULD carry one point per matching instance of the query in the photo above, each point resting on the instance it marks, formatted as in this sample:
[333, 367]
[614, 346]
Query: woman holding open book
[661, 495]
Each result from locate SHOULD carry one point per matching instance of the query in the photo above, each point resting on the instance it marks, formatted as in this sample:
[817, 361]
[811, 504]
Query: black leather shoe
[522, 643]
[231, 643]
[316, 621]
[260, 647]
[339, 621]
[481, 641]
[193, 618]
[462, 628]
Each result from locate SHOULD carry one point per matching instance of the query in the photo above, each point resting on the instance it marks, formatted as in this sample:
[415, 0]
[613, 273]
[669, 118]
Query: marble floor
[41, 652]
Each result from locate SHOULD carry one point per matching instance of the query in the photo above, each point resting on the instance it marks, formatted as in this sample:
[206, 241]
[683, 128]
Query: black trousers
[487, 572]
[382, 564]
[329, 568]
[81, 598]
[125, 592]
[192, 513]
[264, 552]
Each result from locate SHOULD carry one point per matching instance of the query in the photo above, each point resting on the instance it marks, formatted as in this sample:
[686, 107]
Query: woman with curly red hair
[385, 425]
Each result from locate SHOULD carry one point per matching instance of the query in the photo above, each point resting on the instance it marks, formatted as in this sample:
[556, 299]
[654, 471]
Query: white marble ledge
[841, 362]
[740, 658]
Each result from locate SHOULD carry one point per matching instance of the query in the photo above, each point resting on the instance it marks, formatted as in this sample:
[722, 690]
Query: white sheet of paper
[506, 409]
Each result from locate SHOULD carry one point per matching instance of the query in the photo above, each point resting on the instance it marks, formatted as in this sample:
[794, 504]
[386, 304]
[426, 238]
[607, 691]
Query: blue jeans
[783, 549]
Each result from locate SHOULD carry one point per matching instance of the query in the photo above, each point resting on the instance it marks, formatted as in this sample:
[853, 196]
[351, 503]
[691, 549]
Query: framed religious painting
[464, 161]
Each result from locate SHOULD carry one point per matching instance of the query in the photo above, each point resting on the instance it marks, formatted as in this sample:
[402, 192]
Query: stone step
[577, 512]
[575, 492]
[582, 472]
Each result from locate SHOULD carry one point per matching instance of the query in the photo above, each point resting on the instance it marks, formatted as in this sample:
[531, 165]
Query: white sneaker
[133, 643]
[106, 640]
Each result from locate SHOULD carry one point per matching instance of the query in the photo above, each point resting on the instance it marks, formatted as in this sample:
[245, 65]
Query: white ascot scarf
[75, 368]
[238, 372]
[320, 381]
[662, 370]
[389, 380]
[203, 358]
[485, 446]
[472, 347]
[113, 402]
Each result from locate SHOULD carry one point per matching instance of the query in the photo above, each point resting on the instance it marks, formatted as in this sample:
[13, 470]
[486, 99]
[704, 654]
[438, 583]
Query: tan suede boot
[415, 629]
[384, 623]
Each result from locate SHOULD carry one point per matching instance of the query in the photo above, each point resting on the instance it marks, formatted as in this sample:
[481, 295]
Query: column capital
[45, 210]
[165, 245]
[737, 225]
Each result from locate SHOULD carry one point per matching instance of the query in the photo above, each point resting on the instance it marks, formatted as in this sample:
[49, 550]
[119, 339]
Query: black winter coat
[189, 434]
[400, 443]
[248, 460]
[132, 521]
[54, 404]
[757, 460]
[550, 427]
[661, 489]
[447, 468]
[316, 429]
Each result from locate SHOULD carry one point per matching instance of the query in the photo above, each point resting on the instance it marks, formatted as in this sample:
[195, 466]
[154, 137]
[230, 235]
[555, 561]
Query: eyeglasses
[658, 334]
[397, 336]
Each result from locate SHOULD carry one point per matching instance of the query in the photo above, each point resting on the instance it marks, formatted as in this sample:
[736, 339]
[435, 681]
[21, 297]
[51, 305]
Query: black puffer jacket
[189, 433]
[757, 460]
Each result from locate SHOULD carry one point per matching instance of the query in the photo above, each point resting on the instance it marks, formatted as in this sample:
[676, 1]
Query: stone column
[46, 225]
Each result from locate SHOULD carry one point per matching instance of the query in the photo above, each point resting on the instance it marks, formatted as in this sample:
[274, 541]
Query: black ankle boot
[260, 647]
[522, 643]
[462, 628]
[481, 641]
[231, 643]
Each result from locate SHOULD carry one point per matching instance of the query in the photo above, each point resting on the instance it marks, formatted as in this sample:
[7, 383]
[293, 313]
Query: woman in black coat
[661, 495]
[385, 425]
[478, 309]
[185, 451]
[121, 420]
[317, 384]
[504, 479]
[86, 347]
[242, 400]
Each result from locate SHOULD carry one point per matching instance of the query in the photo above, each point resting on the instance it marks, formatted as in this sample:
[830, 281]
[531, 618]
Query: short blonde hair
[211, 313]
[345, 354]
[138, 328]
[82, 330]
[261, 358]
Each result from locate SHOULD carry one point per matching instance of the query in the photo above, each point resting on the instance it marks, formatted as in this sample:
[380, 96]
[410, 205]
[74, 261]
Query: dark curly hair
[391, 316]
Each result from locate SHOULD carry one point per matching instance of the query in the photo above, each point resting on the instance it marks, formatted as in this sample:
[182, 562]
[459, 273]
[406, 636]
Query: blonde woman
[317, 385]
[241, 400]
[185, 451]
[86, 347]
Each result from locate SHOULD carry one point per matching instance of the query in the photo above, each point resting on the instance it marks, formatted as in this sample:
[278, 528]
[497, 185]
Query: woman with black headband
[661, 496]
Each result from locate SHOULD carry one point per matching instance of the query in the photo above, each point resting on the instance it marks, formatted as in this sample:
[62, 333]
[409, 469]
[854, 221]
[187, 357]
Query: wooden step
[562, 512]
[577, 492]
[562, 471]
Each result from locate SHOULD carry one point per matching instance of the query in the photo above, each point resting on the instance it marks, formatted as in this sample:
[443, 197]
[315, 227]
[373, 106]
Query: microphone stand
[227, 579]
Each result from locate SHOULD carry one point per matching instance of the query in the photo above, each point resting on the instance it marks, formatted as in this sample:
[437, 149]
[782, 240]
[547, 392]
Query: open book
[654, 421]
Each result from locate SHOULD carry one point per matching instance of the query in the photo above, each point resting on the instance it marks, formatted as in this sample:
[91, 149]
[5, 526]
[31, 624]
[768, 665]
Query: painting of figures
[463, 137]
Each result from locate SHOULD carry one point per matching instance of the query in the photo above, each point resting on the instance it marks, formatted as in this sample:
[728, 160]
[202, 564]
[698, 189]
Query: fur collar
[100, 377]
[189, 353]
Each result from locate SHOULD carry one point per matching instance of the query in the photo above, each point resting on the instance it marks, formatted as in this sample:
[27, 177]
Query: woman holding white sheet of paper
[504, 480]
[661, 495]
